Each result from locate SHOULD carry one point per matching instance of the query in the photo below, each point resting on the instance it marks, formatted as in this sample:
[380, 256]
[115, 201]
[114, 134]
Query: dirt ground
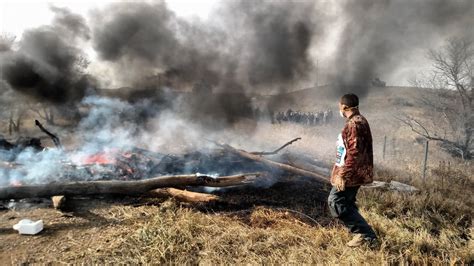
[92, 224]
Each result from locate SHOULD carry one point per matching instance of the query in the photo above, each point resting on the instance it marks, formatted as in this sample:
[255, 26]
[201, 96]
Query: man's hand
[340, 183]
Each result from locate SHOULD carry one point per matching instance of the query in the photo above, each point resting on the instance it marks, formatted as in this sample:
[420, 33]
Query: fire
[99, 158]
[15, 183]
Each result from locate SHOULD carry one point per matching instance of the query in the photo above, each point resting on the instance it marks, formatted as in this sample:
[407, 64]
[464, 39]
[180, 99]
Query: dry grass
[427, 228]
[431, 227]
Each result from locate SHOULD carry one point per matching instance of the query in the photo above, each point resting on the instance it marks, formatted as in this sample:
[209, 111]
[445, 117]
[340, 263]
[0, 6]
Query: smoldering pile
[138, 172]
[108, 138]
[115, 164]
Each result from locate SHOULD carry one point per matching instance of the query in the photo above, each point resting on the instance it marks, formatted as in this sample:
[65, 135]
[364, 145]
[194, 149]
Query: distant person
[353, 168]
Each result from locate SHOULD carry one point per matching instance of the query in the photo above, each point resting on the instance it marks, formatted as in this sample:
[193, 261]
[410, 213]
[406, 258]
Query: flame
[99, 158]
[104, 157]
[15, 183]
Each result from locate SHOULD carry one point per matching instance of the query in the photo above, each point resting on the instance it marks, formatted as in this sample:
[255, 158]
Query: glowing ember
[99, 158]
[15, 183]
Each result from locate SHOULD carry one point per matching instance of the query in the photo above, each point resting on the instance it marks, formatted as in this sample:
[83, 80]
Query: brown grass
[424, 228]
[431, 227]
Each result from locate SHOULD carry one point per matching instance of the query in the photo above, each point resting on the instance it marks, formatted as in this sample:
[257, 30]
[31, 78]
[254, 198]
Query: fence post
[384, 145]
[425, 160]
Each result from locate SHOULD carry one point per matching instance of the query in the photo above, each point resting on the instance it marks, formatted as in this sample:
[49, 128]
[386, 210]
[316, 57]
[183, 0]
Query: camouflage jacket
[357, 163]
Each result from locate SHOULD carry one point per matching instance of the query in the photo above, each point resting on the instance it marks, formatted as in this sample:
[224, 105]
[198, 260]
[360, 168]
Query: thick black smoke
[257, 44]
[261, 43]
[47, 64]
[271, 39]
[379, 35]
[245, 48]
[136, 31]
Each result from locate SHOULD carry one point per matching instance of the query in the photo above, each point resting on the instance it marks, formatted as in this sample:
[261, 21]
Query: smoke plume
[48, 65]
[246, 48]
[378, 35]
[259, 44]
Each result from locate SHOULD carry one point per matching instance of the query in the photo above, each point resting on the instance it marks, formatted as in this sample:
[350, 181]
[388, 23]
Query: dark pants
[342, 205]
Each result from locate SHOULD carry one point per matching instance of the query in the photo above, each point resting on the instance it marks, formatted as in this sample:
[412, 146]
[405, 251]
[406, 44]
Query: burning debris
[138, 171]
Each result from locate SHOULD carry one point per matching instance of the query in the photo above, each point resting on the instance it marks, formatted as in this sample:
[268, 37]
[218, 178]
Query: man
[353, 168]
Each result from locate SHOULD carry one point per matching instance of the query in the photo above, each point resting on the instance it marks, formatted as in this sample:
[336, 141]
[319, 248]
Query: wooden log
[182, 195]
[278, 165]
[306, 163]
[59, 202]
[137, 187]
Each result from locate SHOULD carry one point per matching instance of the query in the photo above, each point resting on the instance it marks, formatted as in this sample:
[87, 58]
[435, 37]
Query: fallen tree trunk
[123, 187]
[181, 195]
[278, 165]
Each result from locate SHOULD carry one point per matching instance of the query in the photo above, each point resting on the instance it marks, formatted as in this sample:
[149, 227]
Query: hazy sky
[18, 15]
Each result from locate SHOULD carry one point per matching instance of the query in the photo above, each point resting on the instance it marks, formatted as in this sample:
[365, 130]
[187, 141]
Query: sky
[18, 15]
[36, 13]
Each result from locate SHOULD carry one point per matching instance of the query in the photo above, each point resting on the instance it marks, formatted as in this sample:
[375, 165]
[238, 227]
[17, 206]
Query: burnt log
[295, 170]
[135, 188]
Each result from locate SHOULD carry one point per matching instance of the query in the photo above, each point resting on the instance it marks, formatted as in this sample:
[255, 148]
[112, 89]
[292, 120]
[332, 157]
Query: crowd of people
[297, 117]
[305, 118]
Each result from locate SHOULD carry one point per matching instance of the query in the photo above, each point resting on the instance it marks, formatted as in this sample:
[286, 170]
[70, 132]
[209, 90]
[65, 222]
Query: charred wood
[282, 166]
[124, 187]
[55, 139]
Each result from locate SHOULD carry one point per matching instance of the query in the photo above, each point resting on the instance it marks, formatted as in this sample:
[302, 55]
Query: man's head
[348, 104]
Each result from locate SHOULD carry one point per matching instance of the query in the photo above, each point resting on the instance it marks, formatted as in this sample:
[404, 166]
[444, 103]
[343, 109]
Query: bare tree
[44, 111]
[450, 105]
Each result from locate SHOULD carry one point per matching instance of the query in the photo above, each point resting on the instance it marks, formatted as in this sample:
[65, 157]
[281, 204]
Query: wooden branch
[55, 139]
[123, 187]
[277, 150]
[274, 164]
[409, 122]
[181, 195]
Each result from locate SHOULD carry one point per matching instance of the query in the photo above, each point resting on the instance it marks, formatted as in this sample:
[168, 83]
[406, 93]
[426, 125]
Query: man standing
[353, 168]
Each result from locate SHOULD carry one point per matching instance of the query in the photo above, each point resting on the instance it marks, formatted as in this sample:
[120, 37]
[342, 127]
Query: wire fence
[421, 158]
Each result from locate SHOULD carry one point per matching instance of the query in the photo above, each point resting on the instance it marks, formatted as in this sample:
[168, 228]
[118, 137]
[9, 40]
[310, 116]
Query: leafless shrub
[450, 105]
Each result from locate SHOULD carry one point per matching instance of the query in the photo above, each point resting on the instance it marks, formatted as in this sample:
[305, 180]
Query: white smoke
[109, 125]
